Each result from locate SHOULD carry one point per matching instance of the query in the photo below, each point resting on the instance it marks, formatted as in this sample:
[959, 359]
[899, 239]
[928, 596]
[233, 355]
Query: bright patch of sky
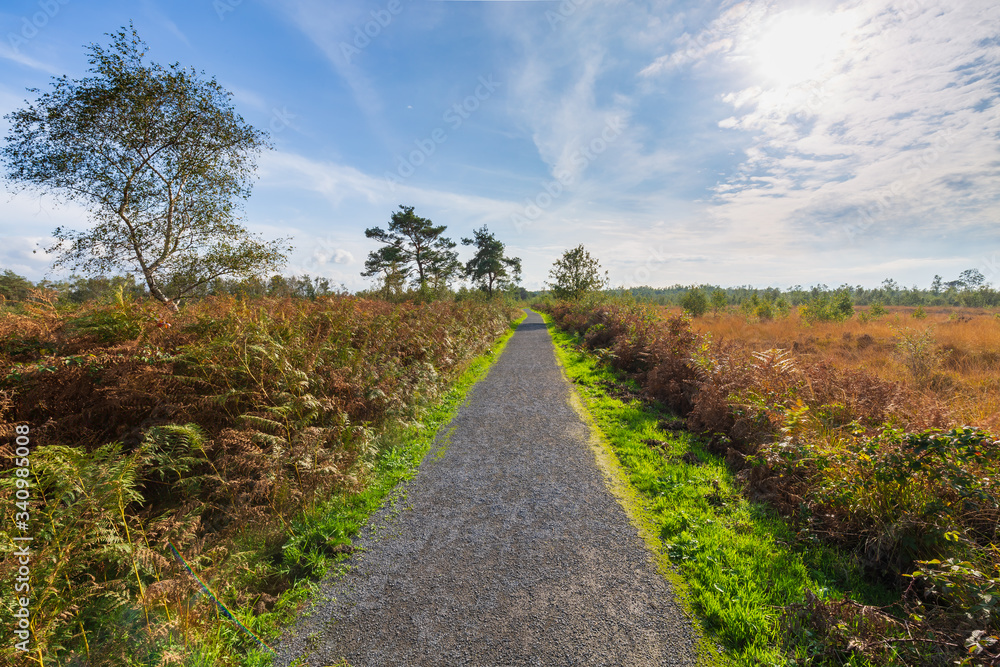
[765, 143]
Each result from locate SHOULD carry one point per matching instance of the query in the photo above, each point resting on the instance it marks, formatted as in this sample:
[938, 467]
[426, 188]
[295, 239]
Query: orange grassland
[966, 344]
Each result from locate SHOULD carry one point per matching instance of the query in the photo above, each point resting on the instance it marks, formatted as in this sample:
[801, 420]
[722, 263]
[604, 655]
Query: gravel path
[509, 550]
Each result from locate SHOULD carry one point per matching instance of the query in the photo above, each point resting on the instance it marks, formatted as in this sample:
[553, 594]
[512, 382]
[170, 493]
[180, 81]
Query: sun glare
[796, 46]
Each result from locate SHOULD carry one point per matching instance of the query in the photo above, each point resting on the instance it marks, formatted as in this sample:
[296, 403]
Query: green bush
[824, 308]
[875, 311]
[758, 309]
[695, 302]
[719, 301]
[906, 496]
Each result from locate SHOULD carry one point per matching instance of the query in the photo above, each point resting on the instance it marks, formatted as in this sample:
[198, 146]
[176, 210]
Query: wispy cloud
[151, 9]
[344, 186]
[330, 27]
[7, 53]
[26, 227]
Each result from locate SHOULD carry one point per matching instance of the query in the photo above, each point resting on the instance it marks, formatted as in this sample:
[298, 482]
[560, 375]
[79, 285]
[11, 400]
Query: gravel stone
[506, 548]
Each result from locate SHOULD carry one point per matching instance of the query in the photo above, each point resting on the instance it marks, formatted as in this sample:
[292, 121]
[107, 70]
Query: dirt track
[510, 549]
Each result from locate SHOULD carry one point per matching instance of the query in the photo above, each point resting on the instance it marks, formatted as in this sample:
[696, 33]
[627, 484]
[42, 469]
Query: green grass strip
[731, 561]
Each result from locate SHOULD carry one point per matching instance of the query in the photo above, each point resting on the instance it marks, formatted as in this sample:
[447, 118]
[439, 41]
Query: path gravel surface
[508, 550]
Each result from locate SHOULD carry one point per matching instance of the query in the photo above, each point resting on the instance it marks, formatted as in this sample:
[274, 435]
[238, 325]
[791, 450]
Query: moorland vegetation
[870, 432]
[245, 438]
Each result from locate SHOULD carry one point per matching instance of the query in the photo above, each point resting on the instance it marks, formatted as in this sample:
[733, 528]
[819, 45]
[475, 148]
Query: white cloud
[340, 184]
[719, 37]
[26, 224]
[899, 127]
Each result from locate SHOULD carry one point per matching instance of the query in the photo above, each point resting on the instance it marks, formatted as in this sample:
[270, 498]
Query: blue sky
[765, 143]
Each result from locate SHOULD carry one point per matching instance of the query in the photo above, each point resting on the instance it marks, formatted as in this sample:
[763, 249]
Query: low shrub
[122, 318]
[920, 354]
[695, 302]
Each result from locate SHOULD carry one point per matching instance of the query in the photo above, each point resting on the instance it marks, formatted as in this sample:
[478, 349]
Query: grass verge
[736, 564]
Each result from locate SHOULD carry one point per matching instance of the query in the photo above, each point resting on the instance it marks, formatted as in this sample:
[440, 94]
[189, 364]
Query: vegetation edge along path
[510, 551]
[631, 500]
[729, 559]
[344, 516]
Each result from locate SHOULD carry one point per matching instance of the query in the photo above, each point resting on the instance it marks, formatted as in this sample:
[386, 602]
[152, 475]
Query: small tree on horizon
[159, 155]
[695, 302]
[972, 279]
[719, 301]
[489, 268]
[575, 274]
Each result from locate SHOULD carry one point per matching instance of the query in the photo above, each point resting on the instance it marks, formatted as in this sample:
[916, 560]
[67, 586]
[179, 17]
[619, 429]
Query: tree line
[970, 289]
[81, 289]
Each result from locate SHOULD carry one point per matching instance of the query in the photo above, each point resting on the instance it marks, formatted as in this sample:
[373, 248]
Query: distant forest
[970, 289]
[14, 287]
